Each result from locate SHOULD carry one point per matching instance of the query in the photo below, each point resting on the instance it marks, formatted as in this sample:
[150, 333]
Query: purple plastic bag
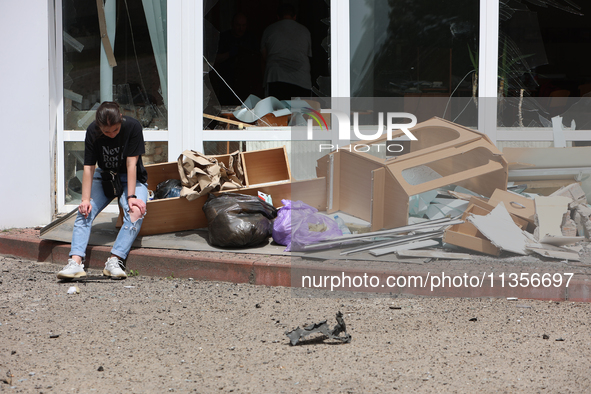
[288, 216]
[313, 228]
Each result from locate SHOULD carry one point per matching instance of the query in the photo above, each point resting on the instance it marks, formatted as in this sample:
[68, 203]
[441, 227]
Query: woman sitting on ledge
[116, 142]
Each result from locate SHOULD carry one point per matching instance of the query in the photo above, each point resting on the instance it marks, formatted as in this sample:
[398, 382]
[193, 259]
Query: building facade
[168, 62]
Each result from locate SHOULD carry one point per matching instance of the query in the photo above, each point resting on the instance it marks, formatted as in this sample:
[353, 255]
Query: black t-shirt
[111, 153]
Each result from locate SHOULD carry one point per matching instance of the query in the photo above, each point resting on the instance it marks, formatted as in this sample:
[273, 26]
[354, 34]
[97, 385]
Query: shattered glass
[140, 30]
[230, 80]
[410, 48]
[538, 74]
[135, 79]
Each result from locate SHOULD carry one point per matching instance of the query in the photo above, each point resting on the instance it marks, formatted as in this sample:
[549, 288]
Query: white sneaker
[114, 268]
[72, 270]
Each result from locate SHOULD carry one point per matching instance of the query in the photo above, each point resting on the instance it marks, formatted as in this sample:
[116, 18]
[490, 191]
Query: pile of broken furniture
[449, 160]
[453, 175]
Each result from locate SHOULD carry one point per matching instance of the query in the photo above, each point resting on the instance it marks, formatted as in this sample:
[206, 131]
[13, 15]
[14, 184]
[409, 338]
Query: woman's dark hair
[108, 114]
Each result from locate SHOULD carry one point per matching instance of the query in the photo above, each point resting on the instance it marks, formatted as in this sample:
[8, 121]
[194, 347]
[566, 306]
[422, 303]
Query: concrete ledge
[284, 271]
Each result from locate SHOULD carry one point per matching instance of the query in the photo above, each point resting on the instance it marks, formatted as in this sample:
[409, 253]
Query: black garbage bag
[238, 221]
[167, 189]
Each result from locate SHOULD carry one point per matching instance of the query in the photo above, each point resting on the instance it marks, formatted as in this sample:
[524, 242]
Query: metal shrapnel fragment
[296, 335]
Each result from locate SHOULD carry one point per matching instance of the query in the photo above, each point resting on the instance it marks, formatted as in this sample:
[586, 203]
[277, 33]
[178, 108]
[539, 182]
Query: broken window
[233, 61]
[543, 70]
[420, 50]
[113, 51]
[132, 68]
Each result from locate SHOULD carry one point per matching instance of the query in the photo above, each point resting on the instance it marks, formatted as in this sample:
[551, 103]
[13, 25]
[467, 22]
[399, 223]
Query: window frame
[185, 85]
[63, 135]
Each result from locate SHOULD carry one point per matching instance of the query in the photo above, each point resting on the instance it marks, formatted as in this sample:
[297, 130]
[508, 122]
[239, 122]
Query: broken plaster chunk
[574, 191]
[299, 333]
[555, 252]
[583, 212]
[569, 227]
[550, 212]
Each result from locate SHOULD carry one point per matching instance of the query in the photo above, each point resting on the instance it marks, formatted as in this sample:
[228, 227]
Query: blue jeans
[99, 201]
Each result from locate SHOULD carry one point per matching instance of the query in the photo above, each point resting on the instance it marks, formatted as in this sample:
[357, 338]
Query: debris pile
[464, 179]
[548, 226]
[446, 197]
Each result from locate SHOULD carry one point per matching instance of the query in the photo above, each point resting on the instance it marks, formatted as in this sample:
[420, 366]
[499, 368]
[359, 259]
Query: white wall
[25, 159]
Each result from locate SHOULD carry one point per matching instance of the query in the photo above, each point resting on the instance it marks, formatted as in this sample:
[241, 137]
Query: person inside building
[116, 143]
[237, 61]
[286, 48]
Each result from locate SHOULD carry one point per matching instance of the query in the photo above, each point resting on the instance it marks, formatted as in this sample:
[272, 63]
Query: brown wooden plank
[226, 120]
[179, 214]
[516, 204]
[161, 172]
[173, 214]
[476, 166]
[355, 185]
[457, 236]
[104, 35]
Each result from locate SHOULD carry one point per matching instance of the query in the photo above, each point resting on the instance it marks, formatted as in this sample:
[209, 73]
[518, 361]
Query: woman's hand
[84, 208]
[137, 208]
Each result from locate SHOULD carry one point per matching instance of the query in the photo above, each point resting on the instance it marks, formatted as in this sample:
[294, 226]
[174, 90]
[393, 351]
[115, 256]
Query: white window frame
[340, 85]
[185, 85]
[64, 136]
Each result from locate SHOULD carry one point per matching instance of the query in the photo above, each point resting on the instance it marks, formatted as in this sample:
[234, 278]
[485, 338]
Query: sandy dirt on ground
[158, 335]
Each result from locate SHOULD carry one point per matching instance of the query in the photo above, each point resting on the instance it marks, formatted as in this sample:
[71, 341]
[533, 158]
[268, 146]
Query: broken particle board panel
[265, 166]
[378, 195]
[555, 252]
[432, 135]
[476, 166]
[516, 204]
[349, 183]
[520, 222]
[547, 187]
[549, 157]
[376, 190]
[467, 236]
